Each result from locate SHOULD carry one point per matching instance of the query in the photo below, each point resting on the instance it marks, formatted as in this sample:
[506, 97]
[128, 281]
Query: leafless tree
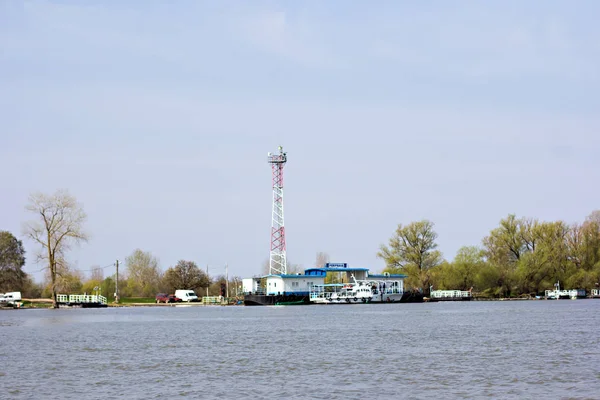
[143, 273]
[97, 274]
[58, 226]
[322, 259]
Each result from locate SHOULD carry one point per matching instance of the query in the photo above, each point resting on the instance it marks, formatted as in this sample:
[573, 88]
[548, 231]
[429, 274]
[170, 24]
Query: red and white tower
[277, 260]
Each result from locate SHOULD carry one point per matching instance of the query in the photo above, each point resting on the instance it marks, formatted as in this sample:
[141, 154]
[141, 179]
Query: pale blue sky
[158, 117]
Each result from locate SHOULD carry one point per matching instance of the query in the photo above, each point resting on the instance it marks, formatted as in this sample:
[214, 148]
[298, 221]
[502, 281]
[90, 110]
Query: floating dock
[81, 301]
[450, 295]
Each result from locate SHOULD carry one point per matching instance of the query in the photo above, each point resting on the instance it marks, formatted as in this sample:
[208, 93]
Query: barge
[81, 301]
[335, 283]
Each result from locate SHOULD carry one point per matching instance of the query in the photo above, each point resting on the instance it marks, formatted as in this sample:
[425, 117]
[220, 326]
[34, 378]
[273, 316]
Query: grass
[40, 303]
[138, 300]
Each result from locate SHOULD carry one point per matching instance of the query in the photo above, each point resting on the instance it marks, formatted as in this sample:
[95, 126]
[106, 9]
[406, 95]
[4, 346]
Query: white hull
[387, 298]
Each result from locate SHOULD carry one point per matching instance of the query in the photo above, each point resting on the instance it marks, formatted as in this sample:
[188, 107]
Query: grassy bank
[137, 300]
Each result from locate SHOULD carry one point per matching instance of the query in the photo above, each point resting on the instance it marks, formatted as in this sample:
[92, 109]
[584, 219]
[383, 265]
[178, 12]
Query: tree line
[57, 226]
[521, 256]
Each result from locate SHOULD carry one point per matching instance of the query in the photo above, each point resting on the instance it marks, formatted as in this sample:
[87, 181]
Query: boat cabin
[283, 284]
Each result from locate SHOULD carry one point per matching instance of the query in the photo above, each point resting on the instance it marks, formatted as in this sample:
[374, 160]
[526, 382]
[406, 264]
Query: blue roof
[337, 269]
[324, 270]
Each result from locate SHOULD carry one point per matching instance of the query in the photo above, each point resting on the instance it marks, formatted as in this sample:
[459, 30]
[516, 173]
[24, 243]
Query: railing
[454, 294]
[555, 294]
[80, 298]
[212, 300]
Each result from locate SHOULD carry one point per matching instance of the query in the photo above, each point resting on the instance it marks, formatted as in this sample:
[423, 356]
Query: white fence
[450, 294]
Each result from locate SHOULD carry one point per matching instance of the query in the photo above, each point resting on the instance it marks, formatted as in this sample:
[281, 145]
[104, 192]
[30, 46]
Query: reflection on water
[451, 350]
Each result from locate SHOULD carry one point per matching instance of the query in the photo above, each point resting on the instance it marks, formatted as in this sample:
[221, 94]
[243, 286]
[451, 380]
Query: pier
[81, 300]
[450, 295]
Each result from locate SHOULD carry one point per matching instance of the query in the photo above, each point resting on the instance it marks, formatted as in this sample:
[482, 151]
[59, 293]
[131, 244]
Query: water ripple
[476, 350]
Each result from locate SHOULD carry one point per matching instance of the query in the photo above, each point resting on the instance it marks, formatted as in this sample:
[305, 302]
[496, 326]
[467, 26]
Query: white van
[10, 297]
[186, 295]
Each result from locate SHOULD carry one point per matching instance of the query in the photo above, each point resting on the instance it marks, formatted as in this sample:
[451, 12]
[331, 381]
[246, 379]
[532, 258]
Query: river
[468, 350]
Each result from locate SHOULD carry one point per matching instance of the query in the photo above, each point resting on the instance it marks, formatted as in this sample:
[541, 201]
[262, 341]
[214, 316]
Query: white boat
[386, 291]
[558, 294]
[361, 291]
[336, 293]
[352, 293]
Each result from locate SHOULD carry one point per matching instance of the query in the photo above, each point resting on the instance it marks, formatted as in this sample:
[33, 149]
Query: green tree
[185, 275]
[58, 226]
[546, 261]
[68, 281]
[12, 260]
[412, 251]
[462, 273]
[143, 274]
[108, 288]
[504, 247]
[31, 289]
[95, 280]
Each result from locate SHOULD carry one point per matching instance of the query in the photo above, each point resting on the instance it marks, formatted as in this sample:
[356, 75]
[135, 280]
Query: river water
[468, 350]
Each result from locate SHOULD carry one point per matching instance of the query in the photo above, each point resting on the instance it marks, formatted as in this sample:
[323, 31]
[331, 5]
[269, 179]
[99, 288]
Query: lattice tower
[277, 260]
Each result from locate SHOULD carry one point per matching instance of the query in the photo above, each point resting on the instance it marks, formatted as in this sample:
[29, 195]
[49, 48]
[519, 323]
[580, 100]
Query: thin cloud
[295, 40]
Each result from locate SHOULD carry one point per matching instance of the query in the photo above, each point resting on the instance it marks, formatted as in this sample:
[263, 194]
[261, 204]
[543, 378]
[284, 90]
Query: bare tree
[266, 267]
[58, 226]
[97, 274]
[185, 275]
[143, 273]
[322, 259]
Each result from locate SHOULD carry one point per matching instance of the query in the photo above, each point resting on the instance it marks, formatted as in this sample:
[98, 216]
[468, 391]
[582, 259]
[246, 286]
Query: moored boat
[346, 286]
[564, 294]
[354, 292]
[81, 301]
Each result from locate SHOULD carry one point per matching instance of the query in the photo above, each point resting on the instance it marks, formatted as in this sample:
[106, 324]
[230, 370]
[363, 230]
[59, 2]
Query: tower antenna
[277, 260]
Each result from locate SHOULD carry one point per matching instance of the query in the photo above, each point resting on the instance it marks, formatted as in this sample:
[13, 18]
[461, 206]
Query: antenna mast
[277, 260]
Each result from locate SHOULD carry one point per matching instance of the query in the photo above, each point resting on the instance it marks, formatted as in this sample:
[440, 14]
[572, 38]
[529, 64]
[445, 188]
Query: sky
[158, 117]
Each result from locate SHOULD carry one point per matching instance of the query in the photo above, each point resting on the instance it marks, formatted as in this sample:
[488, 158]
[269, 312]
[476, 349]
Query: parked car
[162, 298]
[174, 299]
[167, 298]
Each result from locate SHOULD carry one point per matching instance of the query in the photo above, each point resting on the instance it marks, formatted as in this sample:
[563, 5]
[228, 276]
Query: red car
[174, 299]
[167, 298]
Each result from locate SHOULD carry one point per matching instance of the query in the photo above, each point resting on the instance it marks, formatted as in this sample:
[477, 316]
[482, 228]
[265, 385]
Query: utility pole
[117, 285]
[226, 281]
[207, 278]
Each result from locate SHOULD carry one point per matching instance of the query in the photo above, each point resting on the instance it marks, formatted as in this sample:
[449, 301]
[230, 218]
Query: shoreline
[37, 304]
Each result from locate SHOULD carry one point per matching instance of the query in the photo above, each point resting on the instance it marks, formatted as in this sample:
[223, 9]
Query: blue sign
[336, 265]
